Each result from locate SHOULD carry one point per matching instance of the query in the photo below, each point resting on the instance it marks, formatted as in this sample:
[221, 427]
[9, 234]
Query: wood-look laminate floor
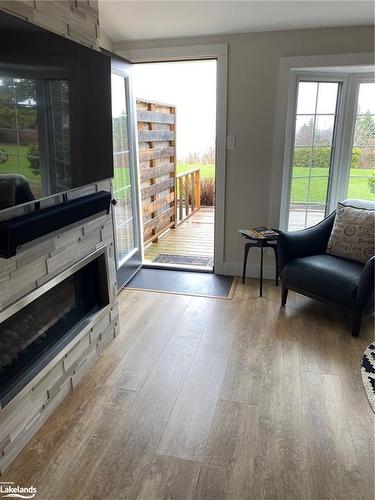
[202, 398]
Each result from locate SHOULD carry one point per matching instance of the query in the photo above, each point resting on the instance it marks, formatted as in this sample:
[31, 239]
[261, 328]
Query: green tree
[304, 134]
[320, 157]
[364, 134]
[33, 157]
[17, 94]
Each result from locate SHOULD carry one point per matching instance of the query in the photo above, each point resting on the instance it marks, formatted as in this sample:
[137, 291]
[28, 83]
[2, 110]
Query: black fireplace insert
[31, 337]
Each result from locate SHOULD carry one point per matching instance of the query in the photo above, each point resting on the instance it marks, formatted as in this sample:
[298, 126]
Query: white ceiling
[124, 20]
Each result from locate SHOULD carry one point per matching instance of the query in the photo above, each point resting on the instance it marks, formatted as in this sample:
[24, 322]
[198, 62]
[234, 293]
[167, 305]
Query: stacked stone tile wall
[74, 19]
[32, 266]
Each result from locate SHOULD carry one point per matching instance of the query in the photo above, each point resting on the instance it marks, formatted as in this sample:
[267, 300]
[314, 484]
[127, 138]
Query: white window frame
[296, 78]
[315, 67]
[349, 113]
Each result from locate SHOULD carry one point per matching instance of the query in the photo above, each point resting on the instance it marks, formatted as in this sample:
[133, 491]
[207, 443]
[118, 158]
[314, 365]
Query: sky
[323, 102]
[327, 97]
[189, 85]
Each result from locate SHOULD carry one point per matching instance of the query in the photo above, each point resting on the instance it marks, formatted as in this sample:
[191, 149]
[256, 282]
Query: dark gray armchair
[305, 267]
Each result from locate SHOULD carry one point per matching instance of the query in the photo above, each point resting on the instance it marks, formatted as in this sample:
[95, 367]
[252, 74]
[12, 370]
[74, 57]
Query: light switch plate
[231, 141]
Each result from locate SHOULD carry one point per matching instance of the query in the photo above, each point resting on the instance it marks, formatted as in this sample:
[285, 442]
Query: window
[331, 153]
[362, 172]
[315, 122]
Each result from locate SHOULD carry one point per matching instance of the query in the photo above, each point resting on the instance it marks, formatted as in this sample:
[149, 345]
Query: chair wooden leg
[356, 325]
[284, 294]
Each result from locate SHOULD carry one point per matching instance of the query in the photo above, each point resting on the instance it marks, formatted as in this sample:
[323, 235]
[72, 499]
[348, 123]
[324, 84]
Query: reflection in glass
[59, 133]
[34, 138]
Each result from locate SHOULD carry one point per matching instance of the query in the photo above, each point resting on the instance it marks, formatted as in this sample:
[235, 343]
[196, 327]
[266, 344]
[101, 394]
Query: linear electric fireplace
[34, 330]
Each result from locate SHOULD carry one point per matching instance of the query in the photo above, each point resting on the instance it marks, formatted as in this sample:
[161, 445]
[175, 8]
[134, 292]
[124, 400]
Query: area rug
[368, 374]
[186, 260]
[184, 283]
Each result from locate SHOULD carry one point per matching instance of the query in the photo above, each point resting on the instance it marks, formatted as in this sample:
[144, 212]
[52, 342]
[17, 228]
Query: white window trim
[284, 126]
[192, 52]
[349, 113]
[295, 78]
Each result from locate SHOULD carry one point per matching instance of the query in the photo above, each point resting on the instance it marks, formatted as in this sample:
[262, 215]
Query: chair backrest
[367, 204]
[327, 223]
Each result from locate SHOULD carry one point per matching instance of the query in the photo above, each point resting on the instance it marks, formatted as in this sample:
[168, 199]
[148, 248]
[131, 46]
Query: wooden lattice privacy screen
[157, 163]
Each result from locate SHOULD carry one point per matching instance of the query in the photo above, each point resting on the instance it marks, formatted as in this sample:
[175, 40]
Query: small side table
[261, 243]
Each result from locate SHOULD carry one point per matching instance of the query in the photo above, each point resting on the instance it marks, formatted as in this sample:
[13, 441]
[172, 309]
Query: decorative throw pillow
[352, 234]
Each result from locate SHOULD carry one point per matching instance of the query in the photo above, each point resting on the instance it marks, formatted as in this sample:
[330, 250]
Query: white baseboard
[253, 269]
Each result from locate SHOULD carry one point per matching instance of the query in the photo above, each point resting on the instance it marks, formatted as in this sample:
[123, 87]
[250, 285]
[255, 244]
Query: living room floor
[209, 398]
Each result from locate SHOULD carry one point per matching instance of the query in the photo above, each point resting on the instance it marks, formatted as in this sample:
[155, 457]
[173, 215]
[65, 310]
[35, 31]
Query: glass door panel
[315, 123]
[126, 212]
[361, 184]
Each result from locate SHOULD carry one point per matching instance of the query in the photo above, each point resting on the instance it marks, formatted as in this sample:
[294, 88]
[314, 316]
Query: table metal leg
[246, 253]
[276, 264]
[261, 271]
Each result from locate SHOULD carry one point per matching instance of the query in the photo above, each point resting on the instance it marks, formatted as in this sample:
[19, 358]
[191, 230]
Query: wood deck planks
[195, 236]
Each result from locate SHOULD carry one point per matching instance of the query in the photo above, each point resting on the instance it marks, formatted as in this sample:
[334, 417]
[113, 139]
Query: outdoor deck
[194, 237]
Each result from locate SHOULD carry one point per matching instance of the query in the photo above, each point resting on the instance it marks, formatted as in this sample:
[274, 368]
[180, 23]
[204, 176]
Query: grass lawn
[207, 171]
[358, 184]
[22, 166]
[122, 177]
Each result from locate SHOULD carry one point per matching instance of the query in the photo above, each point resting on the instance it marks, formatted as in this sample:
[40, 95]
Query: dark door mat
[184, 283]
[188, 260]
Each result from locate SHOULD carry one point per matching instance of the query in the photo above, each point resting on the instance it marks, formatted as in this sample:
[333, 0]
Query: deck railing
[188, 193]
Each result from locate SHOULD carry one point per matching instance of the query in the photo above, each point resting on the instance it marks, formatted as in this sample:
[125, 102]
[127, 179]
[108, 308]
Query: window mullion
[335, 161]
[347, 134]
[312, 155]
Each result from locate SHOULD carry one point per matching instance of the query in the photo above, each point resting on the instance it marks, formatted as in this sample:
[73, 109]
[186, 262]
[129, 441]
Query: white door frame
[194, 52]
[133, 261]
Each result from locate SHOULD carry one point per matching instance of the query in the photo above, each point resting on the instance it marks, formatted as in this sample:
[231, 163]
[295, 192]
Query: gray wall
[254, 60]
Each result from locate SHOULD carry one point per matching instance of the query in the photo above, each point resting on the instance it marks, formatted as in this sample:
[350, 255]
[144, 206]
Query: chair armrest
[365, 291]
[311, 241]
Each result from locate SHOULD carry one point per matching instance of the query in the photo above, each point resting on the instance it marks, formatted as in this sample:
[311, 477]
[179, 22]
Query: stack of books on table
[260, 233]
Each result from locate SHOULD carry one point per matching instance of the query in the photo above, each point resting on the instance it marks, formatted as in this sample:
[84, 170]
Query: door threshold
[178, 267]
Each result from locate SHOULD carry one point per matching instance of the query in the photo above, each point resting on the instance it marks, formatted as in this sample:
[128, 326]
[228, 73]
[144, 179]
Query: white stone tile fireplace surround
[32, 267]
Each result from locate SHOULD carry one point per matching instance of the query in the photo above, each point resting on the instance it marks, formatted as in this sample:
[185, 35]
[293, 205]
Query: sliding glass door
[125, 182]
